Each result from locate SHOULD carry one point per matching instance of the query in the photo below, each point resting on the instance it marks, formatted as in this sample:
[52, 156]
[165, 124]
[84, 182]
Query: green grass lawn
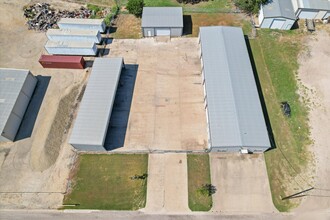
[103, 182]
[198, 174]
[275, 54]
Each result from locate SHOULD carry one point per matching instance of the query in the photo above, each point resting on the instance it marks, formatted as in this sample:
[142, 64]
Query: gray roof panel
[279, 8]
[11, 83]
[92, 121]
[234, 109]
[162, 17]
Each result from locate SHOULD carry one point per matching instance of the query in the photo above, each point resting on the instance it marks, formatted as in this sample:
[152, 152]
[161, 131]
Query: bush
[135, 7]
[250, 6]
[191, 1]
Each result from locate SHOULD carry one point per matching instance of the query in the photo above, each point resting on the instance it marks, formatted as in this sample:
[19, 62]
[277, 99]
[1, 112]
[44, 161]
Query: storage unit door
[163, 32]
[307, 14]
[277, 24]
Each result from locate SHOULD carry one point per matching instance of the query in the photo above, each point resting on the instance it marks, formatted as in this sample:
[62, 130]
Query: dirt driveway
[314, 72]
[167, 110]
[241, 182]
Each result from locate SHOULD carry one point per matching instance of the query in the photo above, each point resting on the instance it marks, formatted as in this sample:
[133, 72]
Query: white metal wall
[271, 23]
[72, 51]
[100, 27]
[56, 37]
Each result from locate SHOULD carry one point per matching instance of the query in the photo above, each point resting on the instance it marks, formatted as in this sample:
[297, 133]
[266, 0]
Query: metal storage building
[71, 48]
[82, 23]
[311, 9]
[162, 21]
[91, 124]
[233, 109]
[16, 89]
[277, 14]
[74, 35]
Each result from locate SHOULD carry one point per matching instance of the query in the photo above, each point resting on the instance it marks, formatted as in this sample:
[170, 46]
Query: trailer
[65, 62]
[71, 48]
[74, 35]
[81, 23]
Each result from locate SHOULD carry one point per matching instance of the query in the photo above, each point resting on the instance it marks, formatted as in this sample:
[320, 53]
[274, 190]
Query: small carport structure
[162, 21]
[277, 14]
[233, 110]
[311, 9]
[91, 125]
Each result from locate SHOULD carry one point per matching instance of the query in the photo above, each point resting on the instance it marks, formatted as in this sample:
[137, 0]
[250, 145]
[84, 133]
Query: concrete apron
[167, 183]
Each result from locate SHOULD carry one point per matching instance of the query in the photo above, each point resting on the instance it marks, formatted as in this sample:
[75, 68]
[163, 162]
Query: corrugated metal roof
[314, 4]
[85, 21]
[279, 8]
[92, 121]
[70, 44]
[72, 32]
[11, 83]
[234, 109]
[162, 17]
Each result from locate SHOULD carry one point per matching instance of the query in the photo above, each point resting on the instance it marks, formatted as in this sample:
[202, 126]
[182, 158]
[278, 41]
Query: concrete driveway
[241, 182]
[167, 183]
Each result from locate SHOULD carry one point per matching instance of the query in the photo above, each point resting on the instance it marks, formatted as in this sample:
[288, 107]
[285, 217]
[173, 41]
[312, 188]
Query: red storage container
[66, 62]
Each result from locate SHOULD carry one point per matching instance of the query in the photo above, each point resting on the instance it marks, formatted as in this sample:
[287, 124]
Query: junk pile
[41, 16]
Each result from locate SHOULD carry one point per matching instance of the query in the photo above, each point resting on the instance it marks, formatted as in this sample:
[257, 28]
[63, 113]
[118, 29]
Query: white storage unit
[71, 48]
[74, 35]
[162, 21]
[278, 14]
[311, 9]
[91, 125]
[82, 23]
[16, 89]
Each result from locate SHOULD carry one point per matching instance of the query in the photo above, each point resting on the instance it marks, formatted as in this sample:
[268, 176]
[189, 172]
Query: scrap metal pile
[42, 16]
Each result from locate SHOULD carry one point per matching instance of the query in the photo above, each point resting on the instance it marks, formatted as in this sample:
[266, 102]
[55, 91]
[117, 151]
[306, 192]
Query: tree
[191, 1]
[135, 7]
[250, 6]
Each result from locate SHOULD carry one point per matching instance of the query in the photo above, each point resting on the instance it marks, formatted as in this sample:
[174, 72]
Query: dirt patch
[315, 78]
[21, 185]
[126, 26]
[56, 135]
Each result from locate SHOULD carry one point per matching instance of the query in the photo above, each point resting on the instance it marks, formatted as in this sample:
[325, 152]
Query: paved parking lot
[166, 111]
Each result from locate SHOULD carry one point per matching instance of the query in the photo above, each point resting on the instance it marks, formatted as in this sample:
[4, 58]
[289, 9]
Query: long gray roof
[234, 110]
[279, 8]
[92, 121]
[162, 17]
[11, 83]
[314, 4]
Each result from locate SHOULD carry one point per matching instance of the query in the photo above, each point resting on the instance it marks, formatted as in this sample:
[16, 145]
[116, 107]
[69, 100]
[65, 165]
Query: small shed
[91, 125]
[71, 48]
[82, 23]
[16, 89]
[311, 9]
[74, 35]
[277, 14]
[162, 21]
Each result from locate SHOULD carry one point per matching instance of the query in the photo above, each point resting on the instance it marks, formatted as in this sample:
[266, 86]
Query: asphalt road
[130, 215]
